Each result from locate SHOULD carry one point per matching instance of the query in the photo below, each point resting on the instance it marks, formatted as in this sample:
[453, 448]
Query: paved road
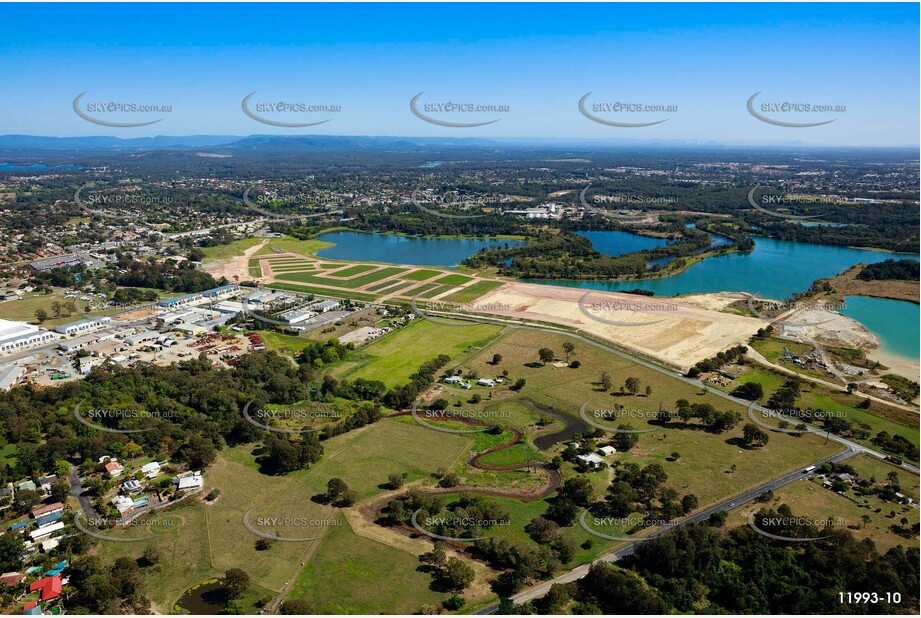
[76, 490]
[541, 589]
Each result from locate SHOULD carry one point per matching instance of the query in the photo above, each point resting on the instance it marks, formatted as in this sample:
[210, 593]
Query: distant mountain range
[269, 143]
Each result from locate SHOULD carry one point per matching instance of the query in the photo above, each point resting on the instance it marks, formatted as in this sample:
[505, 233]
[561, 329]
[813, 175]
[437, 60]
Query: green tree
[235, 583]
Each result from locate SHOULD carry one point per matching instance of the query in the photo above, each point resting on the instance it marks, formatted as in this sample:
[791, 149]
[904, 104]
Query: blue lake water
[895, 321]
[38, 167]
[774, 269]
[446, 252]
[616, 242]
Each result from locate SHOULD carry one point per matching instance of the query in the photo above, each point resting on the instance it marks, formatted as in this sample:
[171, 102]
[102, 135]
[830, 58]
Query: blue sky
[538, 59]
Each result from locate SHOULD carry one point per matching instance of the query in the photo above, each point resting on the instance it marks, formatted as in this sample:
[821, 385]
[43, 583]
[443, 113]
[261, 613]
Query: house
[49, 519]
[453, 380]
[607, 451]
[19, 526]
[131, 486]
[845, 477]
[49, 545]
[190, 482]
[591, 460]
[486, 382]
[113, 468]
[124, 504]
[46, 482]
[151, 470]
[11, 579]
[40, 534]
[49, 587]
[46, 509]
[32, 608]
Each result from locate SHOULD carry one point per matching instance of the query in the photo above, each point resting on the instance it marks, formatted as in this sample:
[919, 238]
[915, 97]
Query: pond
[207, 598]
[376, 247]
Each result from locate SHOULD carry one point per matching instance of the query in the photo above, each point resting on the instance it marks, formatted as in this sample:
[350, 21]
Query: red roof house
[50, 587]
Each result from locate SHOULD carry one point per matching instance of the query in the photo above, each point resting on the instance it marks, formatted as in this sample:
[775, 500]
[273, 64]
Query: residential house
[113, 468]
[47, 509]
[591, 460]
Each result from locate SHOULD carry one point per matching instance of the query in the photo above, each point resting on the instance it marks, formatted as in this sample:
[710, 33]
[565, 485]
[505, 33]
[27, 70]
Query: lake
[38, 167]
[376, 247]
[895, 321]
[774, 269]
[616, 242]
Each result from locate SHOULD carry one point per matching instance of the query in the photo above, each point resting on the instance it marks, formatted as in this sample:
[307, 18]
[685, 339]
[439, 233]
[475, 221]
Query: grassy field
[293, 245]
[453, 280]
[185, 552]
[809, 499]
[352, 270]
[817, 397]
[280, 341]
[421, 275]
[705, 466]
[330, 292]
[350, 574]
[234, 249]
[348, 284]
[397, 356]
[472, 292]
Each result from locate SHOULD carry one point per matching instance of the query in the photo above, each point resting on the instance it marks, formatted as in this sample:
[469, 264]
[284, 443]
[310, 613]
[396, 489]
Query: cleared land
[664, 329]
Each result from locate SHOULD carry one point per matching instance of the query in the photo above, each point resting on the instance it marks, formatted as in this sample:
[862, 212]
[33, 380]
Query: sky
[703, 61]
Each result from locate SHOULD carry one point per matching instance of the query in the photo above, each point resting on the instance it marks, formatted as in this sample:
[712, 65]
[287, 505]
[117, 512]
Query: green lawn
[395, 357]
[350, 574]
[453, 280]
[421, 275]
[288, 244]
[350, 284]
[234, 249]
[329, 292]
[352, 270]
[472, 292]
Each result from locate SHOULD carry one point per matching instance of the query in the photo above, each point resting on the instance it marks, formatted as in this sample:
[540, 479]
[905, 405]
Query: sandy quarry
[667, 329]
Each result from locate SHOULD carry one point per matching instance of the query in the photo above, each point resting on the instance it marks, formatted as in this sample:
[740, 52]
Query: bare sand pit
[839, 330]
[669, 330]
[236, 268]
[828, 327]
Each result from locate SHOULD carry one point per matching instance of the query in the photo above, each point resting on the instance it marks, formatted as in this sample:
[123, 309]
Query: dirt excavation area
[668, 330]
